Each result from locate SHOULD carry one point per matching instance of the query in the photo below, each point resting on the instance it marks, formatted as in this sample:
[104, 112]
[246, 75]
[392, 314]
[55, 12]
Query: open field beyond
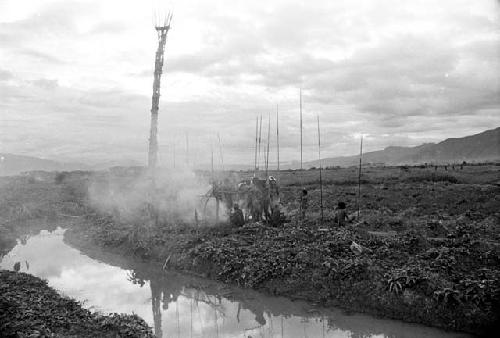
[426, 246]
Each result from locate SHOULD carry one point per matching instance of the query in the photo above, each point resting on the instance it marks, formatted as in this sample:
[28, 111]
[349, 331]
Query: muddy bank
[181, 305]
[30, 308]
[452, 284]
[28, 206]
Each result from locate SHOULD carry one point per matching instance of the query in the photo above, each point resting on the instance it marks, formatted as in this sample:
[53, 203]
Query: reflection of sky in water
[185, 311]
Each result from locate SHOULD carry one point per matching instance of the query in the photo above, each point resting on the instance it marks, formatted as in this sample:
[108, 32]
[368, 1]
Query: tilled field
[426, 248]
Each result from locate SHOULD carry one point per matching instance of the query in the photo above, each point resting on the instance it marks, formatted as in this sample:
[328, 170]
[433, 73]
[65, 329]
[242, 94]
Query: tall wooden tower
[162, 29]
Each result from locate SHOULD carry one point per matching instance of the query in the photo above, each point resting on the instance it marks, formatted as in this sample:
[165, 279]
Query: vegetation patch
[30, 308]
[432, 177]
[425, 249]
[453, 283]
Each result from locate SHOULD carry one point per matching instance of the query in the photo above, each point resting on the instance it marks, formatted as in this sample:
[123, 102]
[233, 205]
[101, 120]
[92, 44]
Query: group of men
[261, 201]
[256, 199]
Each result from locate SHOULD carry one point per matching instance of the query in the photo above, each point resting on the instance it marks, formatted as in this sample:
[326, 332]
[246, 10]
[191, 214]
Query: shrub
[60, 176]
[432, 177]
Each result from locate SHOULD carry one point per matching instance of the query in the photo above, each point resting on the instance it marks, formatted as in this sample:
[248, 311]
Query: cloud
[5, 75]
[39, 56]
[111, 27]
[398, 71]
[46, 83]
[52, 19]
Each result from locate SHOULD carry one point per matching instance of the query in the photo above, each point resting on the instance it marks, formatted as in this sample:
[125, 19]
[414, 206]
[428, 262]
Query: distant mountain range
[11, 164]
[475, 148]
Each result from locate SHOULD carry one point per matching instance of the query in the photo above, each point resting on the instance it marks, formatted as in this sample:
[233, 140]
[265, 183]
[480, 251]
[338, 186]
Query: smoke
[125, 193]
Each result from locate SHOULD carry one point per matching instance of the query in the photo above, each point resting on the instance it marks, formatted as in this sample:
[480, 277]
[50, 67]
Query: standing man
[303, 203]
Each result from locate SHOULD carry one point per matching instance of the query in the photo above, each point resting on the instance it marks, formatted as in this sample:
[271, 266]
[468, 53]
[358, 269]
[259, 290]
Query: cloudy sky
[76, 76]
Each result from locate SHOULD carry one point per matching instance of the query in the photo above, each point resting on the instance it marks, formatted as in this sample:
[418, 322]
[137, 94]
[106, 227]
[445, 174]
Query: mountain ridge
[484, 146]
[12, 164]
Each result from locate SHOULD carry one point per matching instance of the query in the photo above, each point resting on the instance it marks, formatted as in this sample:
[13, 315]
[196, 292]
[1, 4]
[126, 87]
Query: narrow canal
[177, 305]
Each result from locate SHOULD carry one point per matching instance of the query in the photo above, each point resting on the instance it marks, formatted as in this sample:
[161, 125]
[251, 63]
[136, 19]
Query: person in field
[255, 200]
[236, 218]
[341, 217]
[303, 203]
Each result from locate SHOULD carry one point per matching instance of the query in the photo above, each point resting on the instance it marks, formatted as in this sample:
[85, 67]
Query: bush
[432, 177]
[60, 176]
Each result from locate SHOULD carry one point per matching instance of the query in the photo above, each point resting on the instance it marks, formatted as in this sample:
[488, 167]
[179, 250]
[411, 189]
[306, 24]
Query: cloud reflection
[177, 305]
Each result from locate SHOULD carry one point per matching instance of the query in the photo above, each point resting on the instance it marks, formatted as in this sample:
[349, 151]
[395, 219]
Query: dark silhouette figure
[303, 203]
[341, 216]
[236, 218]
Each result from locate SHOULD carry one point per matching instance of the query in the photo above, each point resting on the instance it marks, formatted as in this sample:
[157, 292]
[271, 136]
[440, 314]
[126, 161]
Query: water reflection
[23, 231]
[177, 305]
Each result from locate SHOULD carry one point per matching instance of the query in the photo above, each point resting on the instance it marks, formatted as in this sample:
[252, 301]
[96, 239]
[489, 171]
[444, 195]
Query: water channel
[177, 305]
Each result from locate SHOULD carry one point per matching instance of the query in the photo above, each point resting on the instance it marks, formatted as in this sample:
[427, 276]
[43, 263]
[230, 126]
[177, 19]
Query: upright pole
[300, 128]
[155, 101]
[278, 141]
[256, 144]
[320, 172]
[173, 147]
[221, 151]
[301, 197]
[155, 106]
[260, 141]
[359, 174]
[268, 141]
[187, 149]
[214, 186]
[212, 162]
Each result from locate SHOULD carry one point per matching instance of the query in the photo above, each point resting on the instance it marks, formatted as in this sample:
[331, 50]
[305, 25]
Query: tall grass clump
[432, 177]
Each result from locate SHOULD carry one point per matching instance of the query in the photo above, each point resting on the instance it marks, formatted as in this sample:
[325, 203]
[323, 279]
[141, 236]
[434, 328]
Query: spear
[260, 141]
[268, 139]
[212, 172]
[300, 93]
[221, 151]
[174, 151]
[278, 141]
[300, 106]
[359, 173]
[256, 140]
[320, 172]
[187, 148]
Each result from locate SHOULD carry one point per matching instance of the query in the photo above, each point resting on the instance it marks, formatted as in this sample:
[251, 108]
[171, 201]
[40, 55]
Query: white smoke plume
[125, 193]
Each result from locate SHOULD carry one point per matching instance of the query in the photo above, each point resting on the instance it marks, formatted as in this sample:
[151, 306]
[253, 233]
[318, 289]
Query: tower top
[162, 22]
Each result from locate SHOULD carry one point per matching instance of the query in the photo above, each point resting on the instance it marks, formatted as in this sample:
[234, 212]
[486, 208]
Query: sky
[76, 76]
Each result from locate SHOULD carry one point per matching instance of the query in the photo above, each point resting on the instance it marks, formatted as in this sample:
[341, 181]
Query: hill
[11, 164]
[474, 148]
